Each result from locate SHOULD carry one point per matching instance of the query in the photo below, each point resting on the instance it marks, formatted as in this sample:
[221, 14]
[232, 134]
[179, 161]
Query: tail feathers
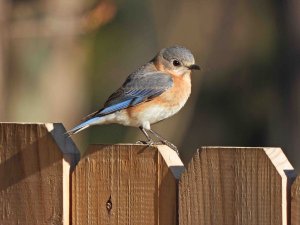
[84, 125]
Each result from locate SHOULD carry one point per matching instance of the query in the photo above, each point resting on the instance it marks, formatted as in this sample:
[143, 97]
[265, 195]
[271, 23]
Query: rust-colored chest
[178, 93]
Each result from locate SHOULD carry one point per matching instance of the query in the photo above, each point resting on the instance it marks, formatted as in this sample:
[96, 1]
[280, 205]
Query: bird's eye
[176, 63]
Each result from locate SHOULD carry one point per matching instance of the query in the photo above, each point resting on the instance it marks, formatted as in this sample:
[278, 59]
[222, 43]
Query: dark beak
[194, 67]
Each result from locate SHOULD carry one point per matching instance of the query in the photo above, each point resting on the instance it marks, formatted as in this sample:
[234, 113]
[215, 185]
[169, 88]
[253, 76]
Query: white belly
[157, 113]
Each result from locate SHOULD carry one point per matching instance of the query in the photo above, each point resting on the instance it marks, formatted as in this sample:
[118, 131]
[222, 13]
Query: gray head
[176, 59]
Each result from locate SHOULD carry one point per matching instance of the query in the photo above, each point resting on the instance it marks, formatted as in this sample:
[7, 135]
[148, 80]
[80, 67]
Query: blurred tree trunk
[46, 62]
[62, 79]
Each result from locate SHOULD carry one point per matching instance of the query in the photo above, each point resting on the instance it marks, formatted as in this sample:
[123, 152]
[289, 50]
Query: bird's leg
[164, 141]
[149, 140]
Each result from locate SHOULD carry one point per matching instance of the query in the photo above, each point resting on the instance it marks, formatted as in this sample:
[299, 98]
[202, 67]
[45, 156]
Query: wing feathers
[136, 89]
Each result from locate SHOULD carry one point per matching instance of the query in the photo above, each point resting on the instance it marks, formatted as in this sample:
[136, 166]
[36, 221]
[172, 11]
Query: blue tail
[84, 125]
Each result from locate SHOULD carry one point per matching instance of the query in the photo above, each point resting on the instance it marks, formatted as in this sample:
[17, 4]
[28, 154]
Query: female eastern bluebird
[154, 92]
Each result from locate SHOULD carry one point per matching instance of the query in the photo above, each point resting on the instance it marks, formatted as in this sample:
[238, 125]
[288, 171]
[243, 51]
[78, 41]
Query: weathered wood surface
[126, 184]
[236, 186]
[35, 162]
[295, 195]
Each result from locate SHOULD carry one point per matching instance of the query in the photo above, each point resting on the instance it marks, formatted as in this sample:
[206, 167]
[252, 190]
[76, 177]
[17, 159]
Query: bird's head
[177, 60]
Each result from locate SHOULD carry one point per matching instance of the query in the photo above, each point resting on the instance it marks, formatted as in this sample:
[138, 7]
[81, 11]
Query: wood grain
[35, 162]
[125, 184]
[236, 186]
[295, 194]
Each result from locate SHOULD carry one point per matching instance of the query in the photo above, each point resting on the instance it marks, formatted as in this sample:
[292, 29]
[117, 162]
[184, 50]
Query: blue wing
[136, 89]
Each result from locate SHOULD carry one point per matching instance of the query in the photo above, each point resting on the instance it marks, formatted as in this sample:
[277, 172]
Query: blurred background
[61, 59]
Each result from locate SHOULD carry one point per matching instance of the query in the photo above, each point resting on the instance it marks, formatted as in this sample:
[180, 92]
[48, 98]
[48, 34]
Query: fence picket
[126, 184]
[236, 186]
[35, 161]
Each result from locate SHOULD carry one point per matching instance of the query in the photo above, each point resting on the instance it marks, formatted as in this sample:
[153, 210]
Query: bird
[154, 92]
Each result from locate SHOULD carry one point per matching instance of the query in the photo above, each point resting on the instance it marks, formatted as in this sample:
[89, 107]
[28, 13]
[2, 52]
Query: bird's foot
[149, 143]
[163, 141]
[143, 142]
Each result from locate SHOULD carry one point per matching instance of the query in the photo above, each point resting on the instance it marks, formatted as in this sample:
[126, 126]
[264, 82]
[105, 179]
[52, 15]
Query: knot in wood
[109, 204]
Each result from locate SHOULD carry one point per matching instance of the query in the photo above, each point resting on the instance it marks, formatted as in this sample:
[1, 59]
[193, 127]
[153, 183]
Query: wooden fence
[42, 181]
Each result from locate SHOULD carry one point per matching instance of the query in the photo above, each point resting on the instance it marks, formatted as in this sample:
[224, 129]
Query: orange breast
[173, 98]
[178, 94]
